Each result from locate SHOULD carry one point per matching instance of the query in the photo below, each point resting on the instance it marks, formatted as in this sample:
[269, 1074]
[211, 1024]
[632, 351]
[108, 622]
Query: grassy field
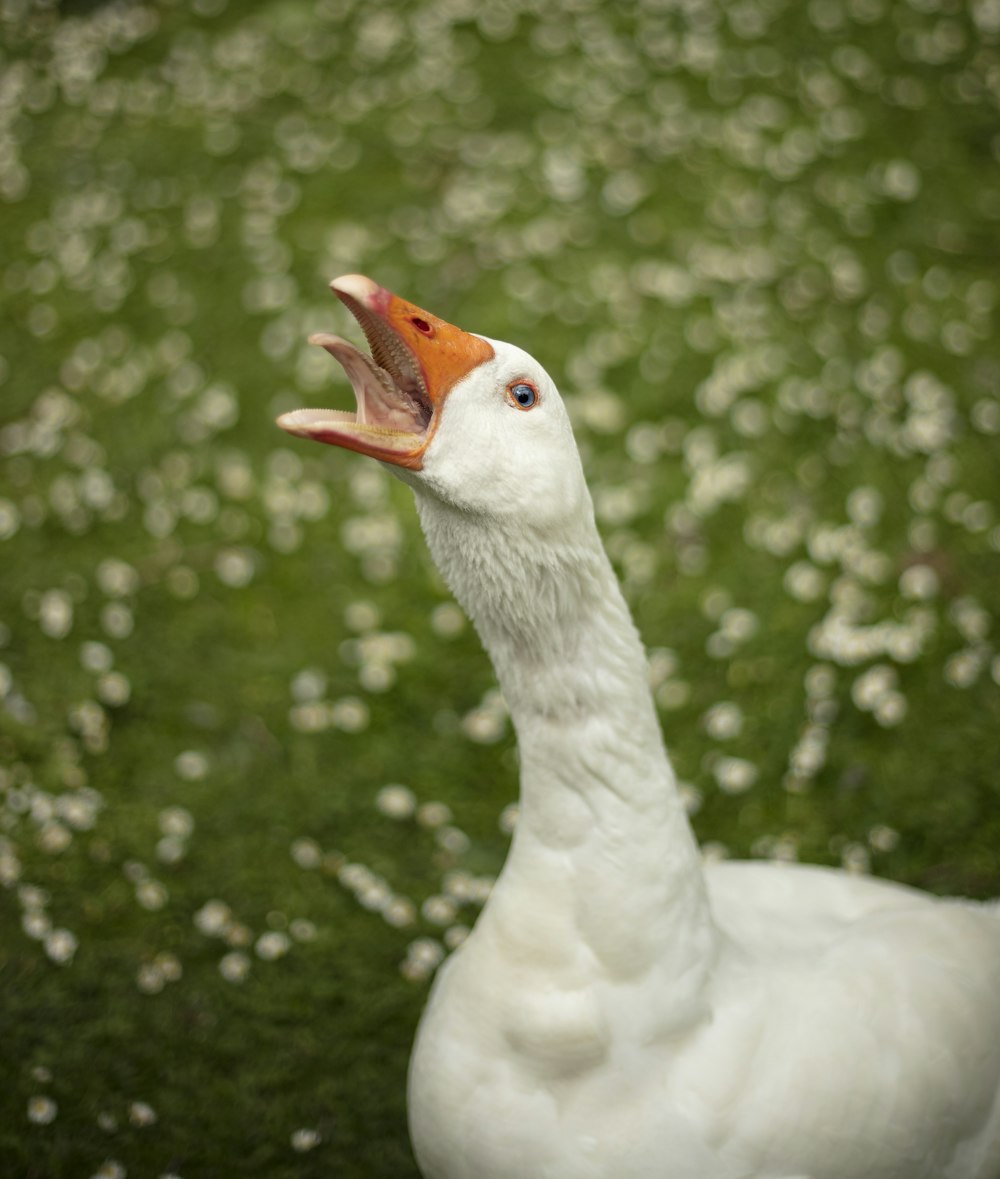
[756, 243]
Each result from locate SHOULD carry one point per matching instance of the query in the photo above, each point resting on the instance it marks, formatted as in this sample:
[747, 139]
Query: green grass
[763, 237]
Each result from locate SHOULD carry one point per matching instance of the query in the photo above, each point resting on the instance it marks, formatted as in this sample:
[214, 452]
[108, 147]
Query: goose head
[470, 422]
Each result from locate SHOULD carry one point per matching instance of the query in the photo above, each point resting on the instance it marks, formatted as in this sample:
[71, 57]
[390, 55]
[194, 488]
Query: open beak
[416, 359]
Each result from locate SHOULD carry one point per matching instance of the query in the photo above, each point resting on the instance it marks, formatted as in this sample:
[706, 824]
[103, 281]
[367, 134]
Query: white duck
[622, 1011]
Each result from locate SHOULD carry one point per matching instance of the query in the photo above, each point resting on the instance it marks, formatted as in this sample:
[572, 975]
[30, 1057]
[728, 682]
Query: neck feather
[602, 828]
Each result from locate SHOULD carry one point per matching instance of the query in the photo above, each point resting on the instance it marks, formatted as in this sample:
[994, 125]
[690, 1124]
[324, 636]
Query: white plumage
[621, 1011]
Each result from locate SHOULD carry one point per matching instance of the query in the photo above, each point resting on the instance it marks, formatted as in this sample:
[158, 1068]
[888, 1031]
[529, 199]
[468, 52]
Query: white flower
[396, 802]
[303, 1140]
[191, 765]
[110, 1169]
[42, 1110]
[433, 814]
[177, 821]
[61, 945]
[735, 774]
[141, 1114]
[439, 910]
[399, 912]
[869, 689]
[234, 966]
[213, 918]
[273, 944]
[919, 583]
[804, 582]
[307, 853]
[349, 714]
[151, 895]
[723, 721]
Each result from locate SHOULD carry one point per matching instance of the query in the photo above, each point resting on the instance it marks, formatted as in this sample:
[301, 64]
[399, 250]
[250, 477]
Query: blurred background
[255, 777]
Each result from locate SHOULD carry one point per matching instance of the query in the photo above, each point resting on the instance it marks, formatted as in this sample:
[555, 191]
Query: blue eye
[523, 395]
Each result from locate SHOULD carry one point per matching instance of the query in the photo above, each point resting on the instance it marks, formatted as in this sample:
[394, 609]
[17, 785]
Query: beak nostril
[422, 325]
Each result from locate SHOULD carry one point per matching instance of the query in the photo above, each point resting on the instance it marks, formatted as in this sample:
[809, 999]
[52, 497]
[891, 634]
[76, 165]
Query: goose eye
[523, 395]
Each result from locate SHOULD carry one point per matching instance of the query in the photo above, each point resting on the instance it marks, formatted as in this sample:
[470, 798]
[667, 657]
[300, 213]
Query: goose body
[621, 1011]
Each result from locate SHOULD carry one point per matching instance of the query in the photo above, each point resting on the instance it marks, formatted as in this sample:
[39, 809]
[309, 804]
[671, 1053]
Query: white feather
[619, 1012]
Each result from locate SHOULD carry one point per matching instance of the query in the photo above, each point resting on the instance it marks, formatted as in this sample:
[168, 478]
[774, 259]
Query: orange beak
[416, 360]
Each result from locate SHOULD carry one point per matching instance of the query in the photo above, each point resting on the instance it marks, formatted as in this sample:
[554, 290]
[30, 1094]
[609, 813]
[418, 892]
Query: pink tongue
[379, 403]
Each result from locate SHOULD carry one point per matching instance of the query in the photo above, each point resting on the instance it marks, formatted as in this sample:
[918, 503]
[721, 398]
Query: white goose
[621, 1011]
